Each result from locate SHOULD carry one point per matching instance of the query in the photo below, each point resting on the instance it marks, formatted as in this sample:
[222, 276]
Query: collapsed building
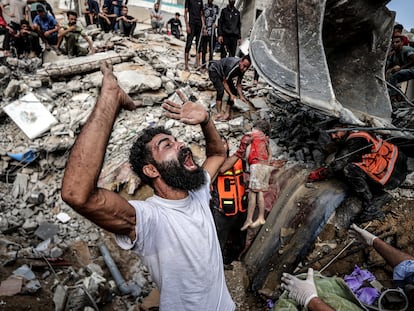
[149, 68]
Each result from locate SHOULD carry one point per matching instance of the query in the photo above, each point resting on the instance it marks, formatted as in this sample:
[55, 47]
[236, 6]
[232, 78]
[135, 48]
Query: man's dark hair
[73, 13]
[177, 14]
[397, 37]
[140, 155]
[398, 27]
[25, 22]
[247, 56]
[40, 8]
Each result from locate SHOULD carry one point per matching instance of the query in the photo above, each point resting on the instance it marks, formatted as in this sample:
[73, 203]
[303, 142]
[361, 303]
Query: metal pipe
[125, 288]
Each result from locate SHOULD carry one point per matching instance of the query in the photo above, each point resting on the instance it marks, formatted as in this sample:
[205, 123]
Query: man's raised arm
[105, 208]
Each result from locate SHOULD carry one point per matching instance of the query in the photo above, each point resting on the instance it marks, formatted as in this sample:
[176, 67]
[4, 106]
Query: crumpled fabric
[332, 290]
[356, 281]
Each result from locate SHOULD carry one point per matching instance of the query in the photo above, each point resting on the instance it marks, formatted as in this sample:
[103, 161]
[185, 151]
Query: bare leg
[186, 68]
[261, 204]
[218, 107]
[198, 57]
[250, 211]
[391, 255]
[227, 114]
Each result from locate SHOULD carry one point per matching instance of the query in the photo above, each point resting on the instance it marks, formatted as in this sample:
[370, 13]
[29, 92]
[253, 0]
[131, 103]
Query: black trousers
[229, 46]
[232, 240]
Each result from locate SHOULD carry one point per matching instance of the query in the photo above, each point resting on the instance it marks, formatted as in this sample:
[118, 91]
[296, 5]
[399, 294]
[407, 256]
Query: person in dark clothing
[221, 73]
[370, 165]
[27, 41]
[106, 19]
[176, 27]
[211, 12]
[194, 22]
[93, 11]
[229, 205]
[127, 23]
[229, 25]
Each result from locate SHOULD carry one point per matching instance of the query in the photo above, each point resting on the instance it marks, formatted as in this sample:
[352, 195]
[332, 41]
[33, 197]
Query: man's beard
[177, 176]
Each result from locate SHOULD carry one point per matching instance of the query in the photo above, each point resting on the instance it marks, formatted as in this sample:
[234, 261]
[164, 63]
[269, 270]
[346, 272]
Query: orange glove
[318, 174]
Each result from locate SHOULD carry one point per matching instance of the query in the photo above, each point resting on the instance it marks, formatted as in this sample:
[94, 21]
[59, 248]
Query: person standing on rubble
[229, 206]
[400, 65]
[229, 30]
[221, 73]
[173, 231]
[211, 12]
[194, 24]
[370, 165]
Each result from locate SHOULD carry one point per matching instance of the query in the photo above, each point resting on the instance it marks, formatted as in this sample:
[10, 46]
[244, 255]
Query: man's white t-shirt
[178, 242]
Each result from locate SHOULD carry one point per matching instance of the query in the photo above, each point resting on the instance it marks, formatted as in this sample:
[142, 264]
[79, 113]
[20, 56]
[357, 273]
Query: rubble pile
[56, 251]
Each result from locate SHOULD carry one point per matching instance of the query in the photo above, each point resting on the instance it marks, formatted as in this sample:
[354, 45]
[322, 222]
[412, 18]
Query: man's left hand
[188, 113]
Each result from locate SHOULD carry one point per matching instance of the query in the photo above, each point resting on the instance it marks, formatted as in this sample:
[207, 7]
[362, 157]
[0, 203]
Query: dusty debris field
[396, 229]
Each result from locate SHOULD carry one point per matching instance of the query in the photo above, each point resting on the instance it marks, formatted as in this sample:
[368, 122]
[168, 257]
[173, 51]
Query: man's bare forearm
[86, 159]
[214, 146]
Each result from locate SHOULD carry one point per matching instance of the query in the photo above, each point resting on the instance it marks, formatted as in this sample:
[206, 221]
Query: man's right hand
[220, 40]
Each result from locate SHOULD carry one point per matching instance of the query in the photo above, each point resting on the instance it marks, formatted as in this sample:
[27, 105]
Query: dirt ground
[396, 229]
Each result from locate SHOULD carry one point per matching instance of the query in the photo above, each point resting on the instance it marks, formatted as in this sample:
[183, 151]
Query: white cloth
[177, 240]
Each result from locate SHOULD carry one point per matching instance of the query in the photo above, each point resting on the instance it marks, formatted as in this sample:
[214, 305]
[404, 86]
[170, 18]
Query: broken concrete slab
[30, 115]
[84, 64]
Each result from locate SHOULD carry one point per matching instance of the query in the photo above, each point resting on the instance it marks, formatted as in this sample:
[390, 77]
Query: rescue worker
[370, 165]
[229, 205]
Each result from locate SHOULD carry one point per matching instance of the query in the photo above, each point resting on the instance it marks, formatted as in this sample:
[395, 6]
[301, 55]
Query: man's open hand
[188, 113]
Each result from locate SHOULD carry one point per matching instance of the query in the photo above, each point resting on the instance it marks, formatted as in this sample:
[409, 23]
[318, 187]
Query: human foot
[257, 223]
[246, 225]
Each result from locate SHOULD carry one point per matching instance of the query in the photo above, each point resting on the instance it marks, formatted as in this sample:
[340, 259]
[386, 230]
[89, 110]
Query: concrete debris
[43, 108]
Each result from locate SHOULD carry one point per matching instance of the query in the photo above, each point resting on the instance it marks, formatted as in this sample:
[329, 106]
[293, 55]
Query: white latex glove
[362, 235]
[302, 291]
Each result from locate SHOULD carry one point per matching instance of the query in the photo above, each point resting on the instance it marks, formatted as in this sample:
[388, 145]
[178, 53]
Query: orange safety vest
[230, 189]
[379, 163]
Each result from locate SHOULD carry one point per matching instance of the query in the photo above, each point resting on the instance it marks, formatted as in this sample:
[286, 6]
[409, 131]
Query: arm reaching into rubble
[105, 208]
[392, 255]
[240, 89]
[192, 114]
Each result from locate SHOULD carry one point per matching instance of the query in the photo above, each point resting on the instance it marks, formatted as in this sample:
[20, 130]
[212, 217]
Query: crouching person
[71, 33]
[27, 41]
